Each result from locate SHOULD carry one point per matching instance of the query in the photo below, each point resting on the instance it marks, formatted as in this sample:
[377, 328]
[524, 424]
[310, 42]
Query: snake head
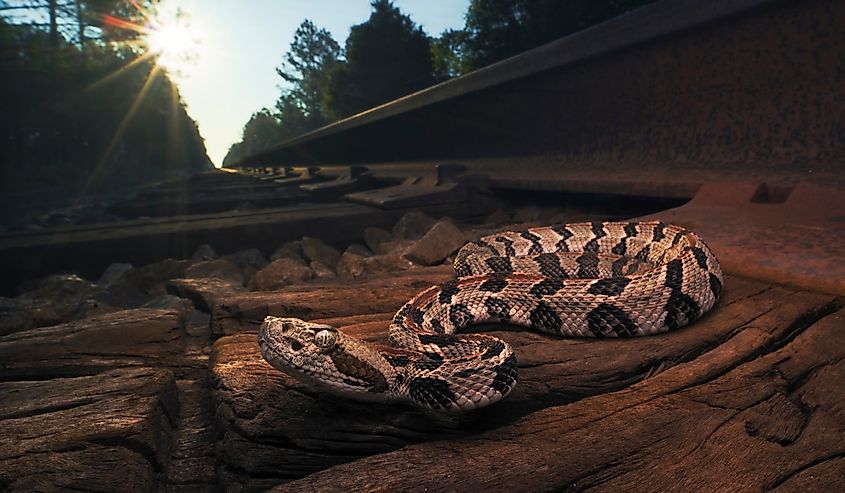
[291, 339]
[324, 357]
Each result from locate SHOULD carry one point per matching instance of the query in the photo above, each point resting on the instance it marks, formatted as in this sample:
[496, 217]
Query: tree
[312, 53]
[299, 108]
[447, 56]
[263, 130]
[76, 21]
[387, 56]
[63, 127]
[497, 29]
[493, 31]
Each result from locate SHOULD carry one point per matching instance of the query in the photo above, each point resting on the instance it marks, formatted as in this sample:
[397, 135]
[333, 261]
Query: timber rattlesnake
[600, 279]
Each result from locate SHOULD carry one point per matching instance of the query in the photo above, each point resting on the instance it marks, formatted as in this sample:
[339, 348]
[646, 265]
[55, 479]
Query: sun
[174, 41]
[161, 34]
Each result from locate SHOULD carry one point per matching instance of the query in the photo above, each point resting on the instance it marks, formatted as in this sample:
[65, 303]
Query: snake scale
[597, 279]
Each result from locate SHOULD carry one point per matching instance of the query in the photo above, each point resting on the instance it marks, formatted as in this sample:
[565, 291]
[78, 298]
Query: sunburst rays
[165, 38]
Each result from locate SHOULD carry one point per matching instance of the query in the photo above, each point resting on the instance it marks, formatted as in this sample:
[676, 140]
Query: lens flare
[174, 42]
[163, 35]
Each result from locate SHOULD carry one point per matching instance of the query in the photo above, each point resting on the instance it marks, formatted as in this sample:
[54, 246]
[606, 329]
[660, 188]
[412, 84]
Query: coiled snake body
[599, 279]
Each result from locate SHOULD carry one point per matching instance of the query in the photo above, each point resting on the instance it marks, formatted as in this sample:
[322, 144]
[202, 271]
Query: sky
[241, 43]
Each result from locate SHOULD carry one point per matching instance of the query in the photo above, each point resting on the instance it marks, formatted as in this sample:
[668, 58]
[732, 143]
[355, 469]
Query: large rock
[12, 318]
[221, 268]
[359, 249]
[113, 273]
[204, 252]
[351, 265]
[373, 237]
[393, 247]
[412, 226]
[106, 432]
[204, 292]
[291, 250]
[49, 301]
[441, 241]
[321, 270]
[251, 257]
[249, 261]
[152, 278]
[56, 287]
[353, 261]
[171, 302]
[388, 262]
[315, 250]
[120, 291]
[279, 274]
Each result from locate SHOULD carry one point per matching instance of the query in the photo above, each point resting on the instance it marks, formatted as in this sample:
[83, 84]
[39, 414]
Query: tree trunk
[81, 23]
[54, 25]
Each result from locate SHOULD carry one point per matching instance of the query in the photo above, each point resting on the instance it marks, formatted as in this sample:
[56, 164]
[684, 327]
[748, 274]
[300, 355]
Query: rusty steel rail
[678, 93]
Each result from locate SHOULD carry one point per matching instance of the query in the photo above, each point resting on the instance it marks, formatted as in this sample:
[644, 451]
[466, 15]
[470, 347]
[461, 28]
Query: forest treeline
[80, 109]
[389, 56]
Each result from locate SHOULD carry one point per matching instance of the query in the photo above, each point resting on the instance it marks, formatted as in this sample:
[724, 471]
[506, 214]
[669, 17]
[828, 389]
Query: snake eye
[325, 339]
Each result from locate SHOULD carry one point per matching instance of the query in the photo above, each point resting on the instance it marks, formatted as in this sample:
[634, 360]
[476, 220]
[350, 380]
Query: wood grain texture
[276, 429]
[383, 293]
[139, 337]
[105, 432]
[763, 410]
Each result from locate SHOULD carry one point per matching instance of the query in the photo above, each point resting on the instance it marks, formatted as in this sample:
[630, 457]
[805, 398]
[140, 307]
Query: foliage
[70, 124]
[312, 53]
[447, 54]
[75, 21]
[263, 130]
[497, 29]
[299, 108]
[387, 56]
